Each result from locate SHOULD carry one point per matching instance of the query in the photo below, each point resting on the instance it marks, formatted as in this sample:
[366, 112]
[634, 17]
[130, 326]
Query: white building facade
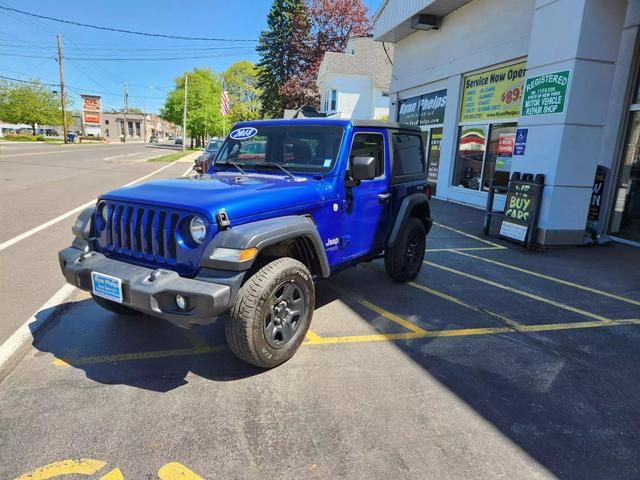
[534, 86]
[354, 83]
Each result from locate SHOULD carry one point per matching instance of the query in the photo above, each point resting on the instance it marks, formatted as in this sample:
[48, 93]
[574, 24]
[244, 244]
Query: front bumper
[151, 294]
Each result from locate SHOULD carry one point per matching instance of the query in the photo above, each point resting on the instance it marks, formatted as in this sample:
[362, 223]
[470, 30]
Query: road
[40, 182]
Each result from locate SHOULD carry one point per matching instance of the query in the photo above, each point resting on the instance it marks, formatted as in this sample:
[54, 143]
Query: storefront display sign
[423, 110]
[493, 94]
[521, 141]
[434, 155]
[545, 94]
[596, 199]
[90, 109]
[520, 210]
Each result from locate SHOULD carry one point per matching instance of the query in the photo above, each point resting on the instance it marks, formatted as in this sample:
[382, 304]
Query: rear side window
[408, 157]
[369, 145]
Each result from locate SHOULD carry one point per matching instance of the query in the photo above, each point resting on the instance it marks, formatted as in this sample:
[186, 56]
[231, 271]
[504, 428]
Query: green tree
[203, 104]
[31, 103]
[279, 50]
[241, 82]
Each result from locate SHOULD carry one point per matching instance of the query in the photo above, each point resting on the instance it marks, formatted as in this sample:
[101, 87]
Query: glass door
[625, 218]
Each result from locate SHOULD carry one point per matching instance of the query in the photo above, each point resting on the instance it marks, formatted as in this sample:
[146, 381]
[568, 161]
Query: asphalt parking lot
[495, 363]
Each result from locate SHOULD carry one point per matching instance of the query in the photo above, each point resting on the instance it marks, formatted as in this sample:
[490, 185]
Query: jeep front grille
[149, 234]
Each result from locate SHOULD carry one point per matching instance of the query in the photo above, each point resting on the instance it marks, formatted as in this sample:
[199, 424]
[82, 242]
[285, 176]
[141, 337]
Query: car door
[365, 218]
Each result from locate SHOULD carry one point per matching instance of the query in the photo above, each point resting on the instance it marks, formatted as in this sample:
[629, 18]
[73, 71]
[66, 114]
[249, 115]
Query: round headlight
[197, 229]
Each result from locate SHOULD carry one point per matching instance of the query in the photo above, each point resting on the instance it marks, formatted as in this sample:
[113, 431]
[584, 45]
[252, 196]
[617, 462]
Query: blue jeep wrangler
[285, 203]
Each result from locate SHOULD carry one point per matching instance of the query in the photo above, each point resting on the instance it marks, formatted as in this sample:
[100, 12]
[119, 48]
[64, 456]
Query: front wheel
[272, 313]
[404, 260]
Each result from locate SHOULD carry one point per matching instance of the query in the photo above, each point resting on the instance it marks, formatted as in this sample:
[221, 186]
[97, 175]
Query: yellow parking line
[470, 236]
[125, 357]
[522, 292]
[376, 337]
[312, 336]
[177, 471]
[83, 466]
[394, 318]
[444, 296]
[115, 474]
[550, 278]
[465, 249]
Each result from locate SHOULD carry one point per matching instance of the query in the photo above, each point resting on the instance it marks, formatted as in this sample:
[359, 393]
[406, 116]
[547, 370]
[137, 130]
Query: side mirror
[363, 168]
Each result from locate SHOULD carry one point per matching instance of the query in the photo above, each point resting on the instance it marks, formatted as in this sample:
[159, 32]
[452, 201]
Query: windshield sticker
[243, 133]
[327, 162]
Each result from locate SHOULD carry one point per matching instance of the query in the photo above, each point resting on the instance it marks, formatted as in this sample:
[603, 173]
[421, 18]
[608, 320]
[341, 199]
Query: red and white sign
[506, 142]
[90, 109]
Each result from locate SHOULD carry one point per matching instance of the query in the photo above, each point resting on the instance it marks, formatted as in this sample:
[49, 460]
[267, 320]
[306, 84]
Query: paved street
[42, 182]
[495, 363]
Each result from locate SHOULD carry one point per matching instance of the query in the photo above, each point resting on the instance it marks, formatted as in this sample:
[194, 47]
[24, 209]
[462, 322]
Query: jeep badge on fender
[286, 204]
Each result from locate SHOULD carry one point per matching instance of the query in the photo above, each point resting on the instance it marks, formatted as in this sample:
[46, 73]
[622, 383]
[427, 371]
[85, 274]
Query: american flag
[224, 102]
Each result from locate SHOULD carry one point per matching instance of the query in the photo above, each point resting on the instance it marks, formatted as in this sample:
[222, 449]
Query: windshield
[214, 145]
[305, 149]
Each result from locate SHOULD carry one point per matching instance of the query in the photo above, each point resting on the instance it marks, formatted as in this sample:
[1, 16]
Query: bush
[24, 138]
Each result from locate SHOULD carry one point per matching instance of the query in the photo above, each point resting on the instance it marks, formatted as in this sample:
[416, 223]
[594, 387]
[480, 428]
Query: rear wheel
[404, 260]
[272, 313]
[114, 307]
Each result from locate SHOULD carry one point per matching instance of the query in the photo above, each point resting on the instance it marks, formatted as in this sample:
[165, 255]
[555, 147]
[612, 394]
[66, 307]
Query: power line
[121, 30]
[130, 59]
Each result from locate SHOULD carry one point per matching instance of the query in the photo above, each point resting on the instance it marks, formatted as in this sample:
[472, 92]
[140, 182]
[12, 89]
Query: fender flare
[262, 234]
[406, 207]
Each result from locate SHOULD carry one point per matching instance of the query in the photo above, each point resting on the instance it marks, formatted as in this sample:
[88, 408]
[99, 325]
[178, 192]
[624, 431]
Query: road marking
[25, 332]
[35, 153]
[467, 249]
[59, 218]
[115, 474]
[311, 336]
[522, 292]
[177, 471]
[552, 279]
[83, 466]
[444, 296]
[188, 171]
[394, 318]
[446, 227]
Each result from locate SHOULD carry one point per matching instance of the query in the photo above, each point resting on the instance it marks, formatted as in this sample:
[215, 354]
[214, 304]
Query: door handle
[384, 197]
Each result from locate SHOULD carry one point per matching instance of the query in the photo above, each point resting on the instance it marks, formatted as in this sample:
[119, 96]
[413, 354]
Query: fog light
[181, 302]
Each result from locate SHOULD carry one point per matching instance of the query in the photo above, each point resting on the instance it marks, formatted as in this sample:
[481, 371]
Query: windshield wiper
[229, 162]
[271, 164]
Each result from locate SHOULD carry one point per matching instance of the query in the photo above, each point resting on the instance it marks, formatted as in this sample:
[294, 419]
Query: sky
[28, 48]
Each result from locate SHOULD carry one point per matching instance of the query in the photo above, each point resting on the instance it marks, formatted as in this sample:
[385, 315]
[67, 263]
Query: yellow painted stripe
[125, 357]
[465, 249]
[177, 471]
[550, 278]
[470, 236]
[522, 293]
[82, 466]
[468, 332]
[115, 474]
[457, 301]
[312, 336]
[393, 317]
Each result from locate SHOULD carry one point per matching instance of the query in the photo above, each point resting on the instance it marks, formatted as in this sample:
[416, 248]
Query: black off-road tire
[115, 307]
[246, 324]
[404, 260]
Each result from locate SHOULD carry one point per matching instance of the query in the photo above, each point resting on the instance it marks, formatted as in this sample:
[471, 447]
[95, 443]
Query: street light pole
[64, 110]
[184, 112]
[126, 110]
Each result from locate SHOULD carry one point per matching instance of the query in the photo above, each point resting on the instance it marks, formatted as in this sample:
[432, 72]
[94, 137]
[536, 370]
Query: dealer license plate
[106, 286]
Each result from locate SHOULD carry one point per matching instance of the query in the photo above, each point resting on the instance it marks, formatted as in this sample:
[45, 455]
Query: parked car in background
[203, 162]
[9, 131]
[51, 132]
[25, 131]
[171, 136]
[178, 141]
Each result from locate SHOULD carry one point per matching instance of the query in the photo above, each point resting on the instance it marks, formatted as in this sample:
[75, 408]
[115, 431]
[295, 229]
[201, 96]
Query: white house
[354, 83]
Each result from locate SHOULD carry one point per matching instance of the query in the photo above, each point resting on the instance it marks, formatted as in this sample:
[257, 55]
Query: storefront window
[497, 162]
[472, 141]
[625, 218]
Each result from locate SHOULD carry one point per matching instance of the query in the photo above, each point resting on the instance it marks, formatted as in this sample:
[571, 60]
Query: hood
[240, 195]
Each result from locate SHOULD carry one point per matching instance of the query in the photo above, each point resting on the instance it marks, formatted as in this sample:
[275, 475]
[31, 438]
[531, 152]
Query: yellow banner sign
[493, 94]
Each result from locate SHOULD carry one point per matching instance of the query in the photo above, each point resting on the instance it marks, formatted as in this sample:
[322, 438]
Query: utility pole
[184, 113]
[126, 110]
[64, 110]
[144, 119]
